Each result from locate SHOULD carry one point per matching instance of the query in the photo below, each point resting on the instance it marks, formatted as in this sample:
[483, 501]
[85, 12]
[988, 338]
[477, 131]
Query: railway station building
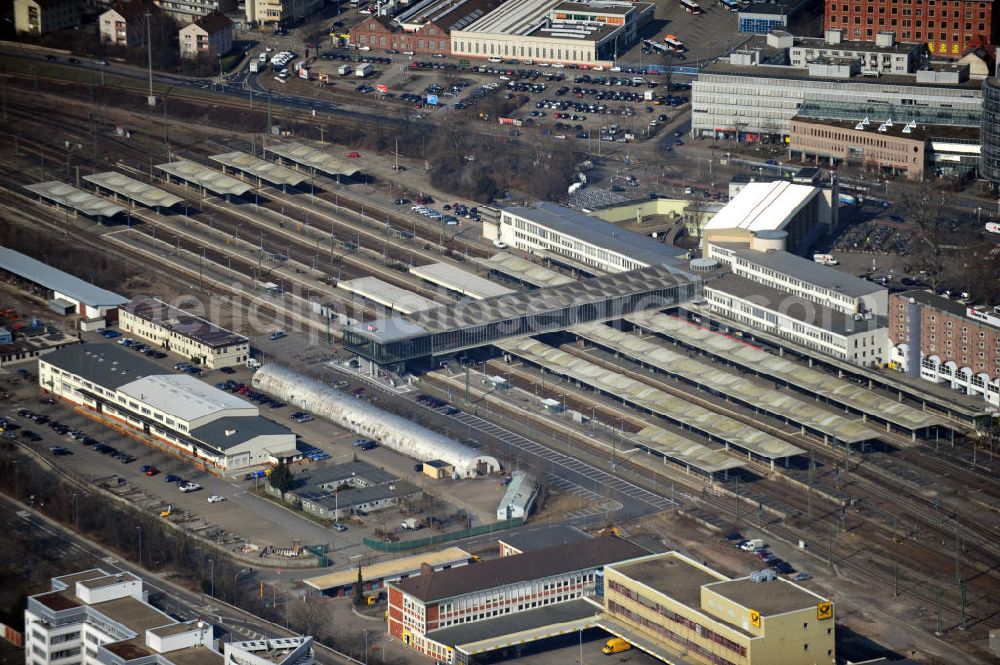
[180, 332]
[208, 426]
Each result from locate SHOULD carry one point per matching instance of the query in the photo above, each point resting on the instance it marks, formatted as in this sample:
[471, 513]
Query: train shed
[460, 281]
[75, 199]
[203, 178]
[134, 190]
[313, 159]
[261, 169]
[524, 271]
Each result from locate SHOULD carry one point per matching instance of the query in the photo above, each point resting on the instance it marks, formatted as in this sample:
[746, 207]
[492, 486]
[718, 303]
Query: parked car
[215, 498]
[227, 370]
[337, 526]
[188, 487]
[149, 470]
[171, 478]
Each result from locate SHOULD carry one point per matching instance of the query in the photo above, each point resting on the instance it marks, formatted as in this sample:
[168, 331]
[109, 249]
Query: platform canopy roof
[136, 190]
[202, 176]
[276, 174]
[313, 158]
[75, 198]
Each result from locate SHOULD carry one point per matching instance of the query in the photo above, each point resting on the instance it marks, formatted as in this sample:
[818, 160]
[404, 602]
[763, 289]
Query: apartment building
[947, 27]
[95, 617]
[125, 24]
[682, 611]
[946, 342]
[274, 12]
[512, 584]
[176, 330]
[806, 279]
[39, 17]
[212, 36]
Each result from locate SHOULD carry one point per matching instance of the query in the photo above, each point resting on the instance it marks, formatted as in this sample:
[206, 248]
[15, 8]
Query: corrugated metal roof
[525, 270]
[762, 206]
[56, 280]
[184, 396]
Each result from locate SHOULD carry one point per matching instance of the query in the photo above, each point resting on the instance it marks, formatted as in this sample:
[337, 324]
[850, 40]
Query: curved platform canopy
[312, 158]
[276, 174]
[134, 190]
[72, 197]
[208, 179]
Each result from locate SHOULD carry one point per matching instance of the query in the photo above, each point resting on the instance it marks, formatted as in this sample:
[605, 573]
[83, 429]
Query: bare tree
[925, 206]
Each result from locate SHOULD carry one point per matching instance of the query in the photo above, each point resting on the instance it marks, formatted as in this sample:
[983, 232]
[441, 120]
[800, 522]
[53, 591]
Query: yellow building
[681, 611]
[43, 16]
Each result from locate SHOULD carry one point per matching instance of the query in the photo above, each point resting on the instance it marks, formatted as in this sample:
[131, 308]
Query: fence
[405, 545]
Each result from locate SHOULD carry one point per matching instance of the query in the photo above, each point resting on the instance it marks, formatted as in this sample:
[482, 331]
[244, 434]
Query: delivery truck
[615, 645]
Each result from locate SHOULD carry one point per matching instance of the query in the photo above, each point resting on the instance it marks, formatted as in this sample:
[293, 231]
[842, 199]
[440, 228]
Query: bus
[731, 5]
[673, 42]
[691, 7]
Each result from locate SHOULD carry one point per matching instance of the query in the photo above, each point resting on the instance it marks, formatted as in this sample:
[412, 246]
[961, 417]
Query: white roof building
[186, 399]
[763, 209]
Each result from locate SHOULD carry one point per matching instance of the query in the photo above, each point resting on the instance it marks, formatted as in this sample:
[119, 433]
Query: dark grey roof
[765, 8]
[184, 324]
[357, 496]
[534, 565]
[107, 365]
[597, 232]
[57, 280]
[337, 473]
[509, 624]
[811, 272]
[788, 72]
[794, 307]
[243, 428]
[934, 301]
[540, 537]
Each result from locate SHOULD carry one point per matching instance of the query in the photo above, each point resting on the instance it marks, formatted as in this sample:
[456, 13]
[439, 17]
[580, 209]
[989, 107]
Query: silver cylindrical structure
[365, 419]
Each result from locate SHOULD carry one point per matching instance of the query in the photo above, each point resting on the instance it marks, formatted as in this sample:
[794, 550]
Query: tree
[281, 477]
[359, 595]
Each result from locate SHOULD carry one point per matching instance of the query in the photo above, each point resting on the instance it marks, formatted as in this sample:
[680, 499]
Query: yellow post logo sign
[755, 618]
[824, 610]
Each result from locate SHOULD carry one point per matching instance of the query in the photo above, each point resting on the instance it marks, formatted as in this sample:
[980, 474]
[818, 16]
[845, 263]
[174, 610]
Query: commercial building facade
[490, 589]
[39, 17]
[948, 27]
[556, 231]
[742, 98]
[805, 279]
[554, 31]
[947, 342]
[207, 424]
[674, 607]
[883, 55]
[187, 335]
[862, 341]
[187, 11]
[274, 12]
[989, 163]
[210, 35]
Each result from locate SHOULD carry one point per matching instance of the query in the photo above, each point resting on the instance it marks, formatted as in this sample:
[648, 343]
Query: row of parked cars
[437, 403]
[758, 548]
[141, 347]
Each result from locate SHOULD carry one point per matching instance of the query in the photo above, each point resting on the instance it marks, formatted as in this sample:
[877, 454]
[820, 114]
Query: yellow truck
[615, 645]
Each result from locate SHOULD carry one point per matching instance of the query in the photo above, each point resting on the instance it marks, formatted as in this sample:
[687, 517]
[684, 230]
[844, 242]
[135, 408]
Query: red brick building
[948, 27]
[425, 33]
[959, 345]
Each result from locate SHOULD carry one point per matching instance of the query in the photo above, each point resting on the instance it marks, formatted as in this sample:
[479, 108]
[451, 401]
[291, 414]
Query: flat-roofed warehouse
[75, 199]
[313, 159]
[133, 190]
[445, 330]
[88, 301]
[183, 333]
[190, 415]
[261, 169]
[204, 178]
[584, 33]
